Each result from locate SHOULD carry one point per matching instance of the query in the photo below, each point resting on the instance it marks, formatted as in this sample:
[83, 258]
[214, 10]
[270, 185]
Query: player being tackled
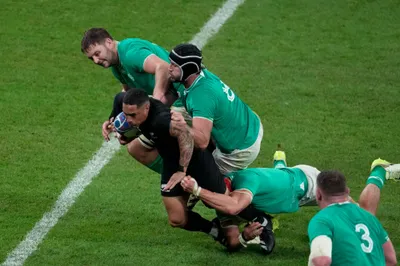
[269, 190]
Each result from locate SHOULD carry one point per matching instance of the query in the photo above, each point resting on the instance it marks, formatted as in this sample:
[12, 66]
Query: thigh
[141, 153]
[311, 174]
[176, 209]
[238, 159]
[234, 161]
[205, 171]
[168, 170]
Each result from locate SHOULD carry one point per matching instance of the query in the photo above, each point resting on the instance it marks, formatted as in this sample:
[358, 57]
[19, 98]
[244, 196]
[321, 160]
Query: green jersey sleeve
[319, 227]
[246, 182]
[383, 235]
[135, 58]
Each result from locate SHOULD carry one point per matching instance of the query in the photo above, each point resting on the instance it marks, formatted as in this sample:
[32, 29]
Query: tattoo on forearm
[185, 140]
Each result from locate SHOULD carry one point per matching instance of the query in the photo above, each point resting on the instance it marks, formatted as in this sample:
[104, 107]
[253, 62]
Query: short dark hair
[135, 96]
[94, 36]
[332, 183]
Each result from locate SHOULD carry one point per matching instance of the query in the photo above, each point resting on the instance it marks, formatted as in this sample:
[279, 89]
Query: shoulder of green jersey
[244, 191]
[206, 118]
[144, 61]
[199, 77]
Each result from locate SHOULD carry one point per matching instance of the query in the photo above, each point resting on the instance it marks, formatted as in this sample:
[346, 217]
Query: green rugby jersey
[235, 125]
[274, 190]
[357, 236]
[132, 54]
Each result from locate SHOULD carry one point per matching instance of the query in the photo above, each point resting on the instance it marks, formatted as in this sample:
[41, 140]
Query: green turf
[323, 76]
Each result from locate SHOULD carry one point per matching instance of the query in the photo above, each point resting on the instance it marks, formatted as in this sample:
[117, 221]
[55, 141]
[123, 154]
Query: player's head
[331, 187]
[98, 45]
[185, 61]
[136, 106]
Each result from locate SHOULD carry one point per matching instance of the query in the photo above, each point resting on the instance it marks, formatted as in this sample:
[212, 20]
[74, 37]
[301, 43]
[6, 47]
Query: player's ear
[147, 106]
[348, 190]
[318, 195]
[108, 42]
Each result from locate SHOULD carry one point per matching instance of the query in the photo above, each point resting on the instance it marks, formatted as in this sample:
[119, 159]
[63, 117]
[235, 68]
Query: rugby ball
[123, 128]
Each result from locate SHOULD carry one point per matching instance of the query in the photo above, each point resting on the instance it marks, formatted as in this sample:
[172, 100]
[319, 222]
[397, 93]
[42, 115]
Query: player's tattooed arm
[185, 140]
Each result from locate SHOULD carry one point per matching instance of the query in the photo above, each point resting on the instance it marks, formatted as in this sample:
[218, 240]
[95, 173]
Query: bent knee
[177, 222]
[233, 244]
[140, 153]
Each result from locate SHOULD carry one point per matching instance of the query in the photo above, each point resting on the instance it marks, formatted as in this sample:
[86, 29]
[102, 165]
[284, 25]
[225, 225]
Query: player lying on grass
[271, 190]
[342, 233]
[279, 190]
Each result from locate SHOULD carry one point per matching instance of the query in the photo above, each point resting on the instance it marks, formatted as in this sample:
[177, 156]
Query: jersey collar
[200, 76]
[339, 203]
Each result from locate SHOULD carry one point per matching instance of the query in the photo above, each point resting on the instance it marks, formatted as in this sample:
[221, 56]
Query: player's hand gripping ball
[123, 128]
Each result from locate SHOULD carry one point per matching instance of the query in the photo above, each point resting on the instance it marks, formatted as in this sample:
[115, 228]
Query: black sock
[250, 213]
[197, 223]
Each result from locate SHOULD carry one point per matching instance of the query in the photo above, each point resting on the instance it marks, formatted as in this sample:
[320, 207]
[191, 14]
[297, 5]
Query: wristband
[242, 241]
[197, 192]
[181, 169]
[196, 189]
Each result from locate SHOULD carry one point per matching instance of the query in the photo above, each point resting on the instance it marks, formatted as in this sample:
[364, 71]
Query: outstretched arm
[231, 204]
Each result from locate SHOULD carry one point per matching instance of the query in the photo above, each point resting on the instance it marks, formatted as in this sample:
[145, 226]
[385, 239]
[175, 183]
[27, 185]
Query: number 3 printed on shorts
[366, 248]
[228, 91]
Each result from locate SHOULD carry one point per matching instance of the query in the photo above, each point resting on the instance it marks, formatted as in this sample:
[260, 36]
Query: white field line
[213, 25]
[84, 177]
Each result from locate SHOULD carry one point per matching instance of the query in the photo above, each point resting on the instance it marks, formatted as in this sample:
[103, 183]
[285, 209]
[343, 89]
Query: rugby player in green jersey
[136, 63]
[343, 233]
[280, 190]
[271, 190]
[218, 113]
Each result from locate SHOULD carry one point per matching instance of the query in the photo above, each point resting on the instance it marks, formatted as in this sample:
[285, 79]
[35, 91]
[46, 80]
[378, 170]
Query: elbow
[391, 261]
[321, 261]
[202, 146]
[233, 210]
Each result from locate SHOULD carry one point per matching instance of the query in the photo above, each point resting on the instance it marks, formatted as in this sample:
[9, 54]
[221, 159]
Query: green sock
[156, 165]
[377, 176]
[279, 164]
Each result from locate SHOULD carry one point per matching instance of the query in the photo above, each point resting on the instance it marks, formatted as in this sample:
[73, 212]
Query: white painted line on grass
[215, 23]
[63, 203]
[84, 177]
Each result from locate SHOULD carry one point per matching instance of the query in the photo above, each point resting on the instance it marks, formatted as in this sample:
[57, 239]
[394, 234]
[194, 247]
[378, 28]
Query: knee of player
[233, 244]
[179, 222]
[138, 152]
